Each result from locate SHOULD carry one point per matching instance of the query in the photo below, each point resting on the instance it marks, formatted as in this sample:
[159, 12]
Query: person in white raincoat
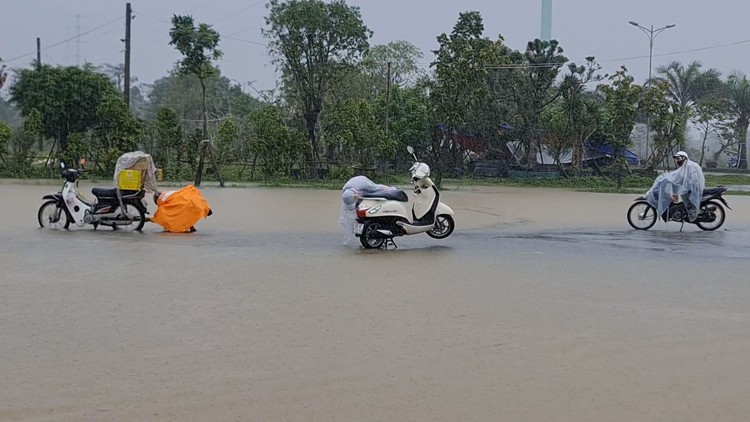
[686, 182]
[350, 194]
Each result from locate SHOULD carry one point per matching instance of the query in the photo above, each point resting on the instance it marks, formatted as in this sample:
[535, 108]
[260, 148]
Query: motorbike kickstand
[681, 226]
[389, 241]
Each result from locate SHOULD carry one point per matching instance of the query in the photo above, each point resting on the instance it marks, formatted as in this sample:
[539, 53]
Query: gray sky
[583, 27]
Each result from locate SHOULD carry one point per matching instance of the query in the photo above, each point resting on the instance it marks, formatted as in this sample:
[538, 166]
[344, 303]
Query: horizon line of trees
[342, 104]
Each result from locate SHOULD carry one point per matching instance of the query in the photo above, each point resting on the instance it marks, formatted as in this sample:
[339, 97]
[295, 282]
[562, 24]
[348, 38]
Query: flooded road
[543, 305]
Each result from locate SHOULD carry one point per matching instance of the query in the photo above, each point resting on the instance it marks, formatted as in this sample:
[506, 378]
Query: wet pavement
[543, 305]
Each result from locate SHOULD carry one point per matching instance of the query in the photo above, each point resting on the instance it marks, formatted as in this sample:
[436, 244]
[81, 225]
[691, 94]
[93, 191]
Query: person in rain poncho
[350, 194]
[686, 182]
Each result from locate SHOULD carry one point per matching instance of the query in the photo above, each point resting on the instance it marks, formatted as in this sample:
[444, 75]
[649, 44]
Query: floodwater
[543, 306]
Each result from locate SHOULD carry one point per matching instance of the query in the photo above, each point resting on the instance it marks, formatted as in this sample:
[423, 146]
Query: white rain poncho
[350, 194]
[687, 181]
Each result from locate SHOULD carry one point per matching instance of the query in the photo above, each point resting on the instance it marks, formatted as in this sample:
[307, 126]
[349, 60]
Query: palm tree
[687, 85]
[738, 96]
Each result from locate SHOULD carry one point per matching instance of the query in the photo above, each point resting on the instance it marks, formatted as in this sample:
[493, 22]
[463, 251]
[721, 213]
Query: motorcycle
[126, 211]
[711, 215]
[385, 215]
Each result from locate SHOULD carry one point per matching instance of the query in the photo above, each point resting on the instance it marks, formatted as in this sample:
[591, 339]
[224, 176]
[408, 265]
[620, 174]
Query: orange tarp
[179, 210]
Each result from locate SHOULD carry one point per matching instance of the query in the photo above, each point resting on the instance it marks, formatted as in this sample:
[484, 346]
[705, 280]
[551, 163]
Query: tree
[182, 93]
[354, 132]
[199, 47]
[469, 93]
[5, 133]
[687, 85]
[621, 100]
[462, 92]
[69, 99]
[410, 115]
[709, 119]
[533, 89]
[3, 74]
[19, 143]
[171, 140]
[582, 114]
[278, 146]
[738, 97]
[312, 42]
[402, 57]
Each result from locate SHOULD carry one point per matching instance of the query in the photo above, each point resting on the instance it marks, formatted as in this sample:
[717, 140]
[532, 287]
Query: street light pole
[651, 33]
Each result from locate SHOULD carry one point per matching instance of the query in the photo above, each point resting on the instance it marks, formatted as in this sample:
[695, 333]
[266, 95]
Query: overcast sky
[715, 32]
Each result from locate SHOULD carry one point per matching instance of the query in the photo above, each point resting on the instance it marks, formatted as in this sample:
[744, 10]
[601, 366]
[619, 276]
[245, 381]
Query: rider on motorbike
[686, 182]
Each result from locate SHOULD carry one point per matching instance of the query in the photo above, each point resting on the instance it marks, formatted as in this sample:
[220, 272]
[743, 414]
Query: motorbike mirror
[62, 164]
[411, 151]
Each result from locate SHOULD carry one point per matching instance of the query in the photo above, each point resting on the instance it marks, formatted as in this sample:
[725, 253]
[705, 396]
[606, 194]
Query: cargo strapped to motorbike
[134, 171]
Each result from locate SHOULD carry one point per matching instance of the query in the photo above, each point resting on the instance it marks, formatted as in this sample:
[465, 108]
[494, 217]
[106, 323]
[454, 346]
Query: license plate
[358, 228]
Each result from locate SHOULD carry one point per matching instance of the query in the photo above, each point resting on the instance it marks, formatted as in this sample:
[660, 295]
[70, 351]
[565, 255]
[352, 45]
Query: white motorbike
[383, 216]
[124, 212]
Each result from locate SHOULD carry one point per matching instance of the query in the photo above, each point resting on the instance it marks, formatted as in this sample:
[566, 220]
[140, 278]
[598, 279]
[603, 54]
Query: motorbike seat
[711, 191]
[111, 192]
[393, 195]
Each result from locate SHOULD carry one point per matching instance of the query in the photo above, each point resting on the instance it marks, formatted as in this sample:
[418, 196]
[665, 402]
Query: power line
[238, 11]
[245, 41]
[66, 40]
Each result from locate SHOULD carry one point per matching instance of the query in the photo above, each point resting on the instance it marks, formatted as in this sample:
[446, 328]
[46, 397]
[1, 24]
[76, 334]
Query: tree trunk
[311, 121]
[199, 172]
[703, 146]
[742, 124]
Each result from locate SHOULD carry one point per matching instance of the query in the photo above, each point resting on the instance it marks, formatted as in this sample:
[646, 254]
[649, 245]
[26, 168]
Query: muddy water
[543, 305]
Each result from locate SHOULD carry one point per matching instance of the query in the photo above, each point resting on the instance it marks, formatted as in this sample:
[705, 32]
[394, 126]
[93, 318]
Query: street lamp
[651, 33]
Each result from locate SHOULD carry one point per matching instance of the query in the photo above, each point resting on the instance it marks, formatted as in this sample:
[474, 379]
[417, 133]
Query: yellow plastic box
[129, 180]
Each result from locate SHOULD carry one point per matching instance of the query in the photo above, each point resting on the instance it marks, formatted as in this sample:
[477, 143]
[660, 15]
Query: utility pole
[38, 53]
[651, 33]
[387, 96]
[126, 84]
[38, 68]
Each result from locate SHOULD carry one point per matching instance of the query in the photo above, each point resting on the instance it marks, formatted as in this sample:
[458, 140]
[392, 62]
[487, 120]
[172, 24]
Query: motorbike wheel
[641, 215]
[714, 211]
[52, 216]
[138, 219]
[370, 238]
[444, 226]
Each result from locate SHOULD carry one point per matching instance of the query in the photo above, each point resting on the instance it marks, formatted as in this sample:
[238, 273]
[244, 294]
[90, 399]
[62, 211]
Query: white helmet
[680, 155]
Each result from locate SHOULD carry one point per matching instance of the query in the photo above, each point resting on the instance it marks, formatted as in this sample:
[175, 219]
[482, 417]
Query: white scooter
[128, 212]
[381, 217]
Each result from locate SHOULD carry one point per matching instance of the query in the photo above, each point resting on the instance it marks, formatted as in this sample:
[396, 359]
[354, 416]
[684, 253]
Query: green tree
[709, 120]
[227, 145]
[5, 133]
[403, 58]
[581, 110]
[199, 47]
[278, 146]
[462, 93]
[21, 142]
[534, 89]
[469, 94]
[410, 115]
[312, 42]
[8, 113]
[69, 99]
[3, 73]
[170, 140]
[621, 100]
[738, 96]
[355, 133]
[687, 85]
